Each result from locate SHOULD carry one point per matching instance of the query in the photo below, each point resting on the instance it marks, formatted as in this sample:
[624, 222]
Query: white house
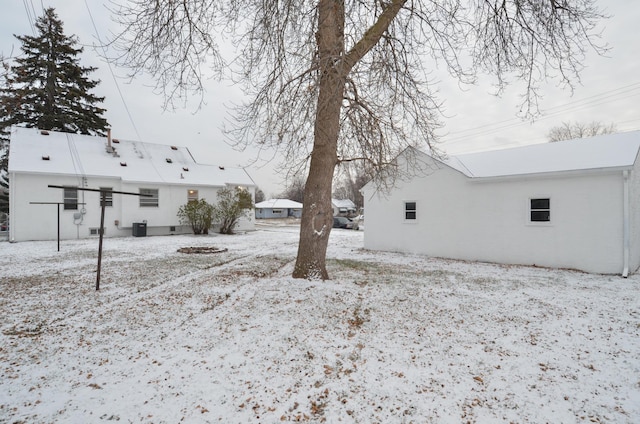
[278, 208]
[570, 204]
[343, 207]
[169, 174]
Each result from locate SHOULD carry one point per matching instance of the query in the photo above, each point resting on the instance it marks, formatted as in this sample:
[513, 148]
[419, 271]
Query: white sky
[608, 92]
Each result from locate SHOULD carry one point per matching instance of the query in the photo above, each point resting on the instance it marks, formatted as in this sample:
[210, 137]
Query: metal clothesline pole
[103, 196]
[58, 204]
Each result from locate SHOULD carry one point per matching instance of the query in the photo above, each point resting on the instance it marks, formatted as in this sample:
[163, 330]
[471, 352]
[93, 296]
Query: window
[70, 198]
[540, 210]
[108, 196]
[192, 195]
[96, 231]
[410, 210]
[149, 202]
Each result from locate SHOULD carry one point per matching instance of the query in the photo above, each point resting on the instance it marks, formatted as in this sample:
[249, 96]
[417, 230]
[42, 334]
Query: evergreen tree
[46, 88]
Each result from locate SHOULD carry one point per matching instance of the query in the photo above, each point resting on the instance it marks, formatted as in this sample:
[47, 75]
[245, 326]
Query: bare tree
[341, 80]
[294, 190]
[259, 196]
[350, 178]
[570, 131]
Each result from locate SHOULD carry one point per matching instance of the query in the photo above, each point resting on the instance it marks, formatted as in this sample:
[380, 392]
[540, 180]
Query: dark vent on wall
[45, 157]
[169, 160]
[123, 163]
[174, 148]
[44, 132]
[115, 140]
[185, 169]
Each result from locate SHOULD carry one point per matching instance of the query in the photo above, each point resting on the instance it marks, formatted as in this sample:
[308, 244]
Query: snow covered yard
[230, 337]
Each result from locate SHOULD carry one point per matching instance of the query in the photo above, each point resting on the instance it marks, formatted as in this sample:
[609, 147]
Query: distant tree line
[571, 131]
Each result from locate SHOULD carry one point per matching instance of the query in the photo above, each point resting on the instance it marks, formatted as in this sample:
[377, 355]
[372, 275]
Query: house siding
[269, 213]
[93, 162]
[487, 220]
[43, 224]
[634, 218]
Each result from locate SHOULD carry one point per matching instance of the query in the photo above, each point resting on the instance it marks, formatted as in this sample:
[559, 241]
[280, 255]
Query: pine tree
[47, 88]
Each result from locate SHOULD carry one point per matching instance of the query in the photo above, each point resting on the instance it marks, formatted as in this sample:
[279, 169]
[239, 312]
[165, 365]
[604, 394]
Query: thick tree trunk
[317, 213]
[335, 65]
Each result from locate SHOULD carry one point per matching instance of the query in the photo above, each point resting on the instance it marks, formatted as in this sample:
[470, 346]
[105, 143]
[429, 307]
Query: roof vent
[45, 157]
[185, 169]
[169, 160]
[174, 148]
[44, 132]
[221, 168]
[123, 163]
[115, 140]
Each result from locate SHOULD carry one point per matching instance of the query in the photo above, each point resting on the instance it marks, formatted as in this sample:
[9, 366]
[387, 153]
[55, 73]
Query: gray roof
[343, 203]
[611, 151]
[31, 151]
[279, 204]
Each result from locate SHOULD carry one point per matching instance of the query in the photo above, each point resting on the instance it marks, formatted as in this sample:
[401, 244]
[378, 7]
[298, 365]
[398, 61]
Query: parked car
[342, 222]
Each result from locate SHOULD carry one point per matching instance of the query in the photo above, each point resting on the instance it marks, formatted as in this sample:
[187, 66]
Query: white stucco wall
[461, 218]
[39, 222]
[634, 218]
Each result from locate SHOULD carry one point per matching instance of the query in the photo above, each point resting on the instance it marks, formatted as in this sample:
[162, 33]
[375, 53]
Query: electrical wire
[115, 80]
[617, 94]
[30, 17]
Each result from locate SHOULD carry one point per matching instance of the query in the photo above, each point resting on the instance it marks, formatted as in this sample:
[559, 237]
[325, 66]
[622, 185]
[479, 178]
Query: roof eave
[554, 174]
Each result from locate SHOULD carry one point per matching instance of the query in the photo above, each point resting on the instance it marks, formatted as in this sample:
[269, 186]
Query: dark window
[149, 201]
[108, 197]
[410, 210]
[70, 198]
[540, 210]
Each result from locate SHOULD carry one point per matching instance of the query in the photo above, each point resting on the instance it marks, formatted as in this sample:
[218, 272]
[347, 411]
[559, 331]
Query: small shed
[570, 204]
[278, 208]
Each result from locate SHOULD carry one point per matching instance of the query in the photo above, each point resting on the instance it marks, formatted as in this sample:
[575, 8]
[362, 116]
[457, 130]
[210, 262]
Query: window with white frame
[540, 210]
[410, 211]
[108, 196]
[70, 198]
[192, 195]
[150, 198]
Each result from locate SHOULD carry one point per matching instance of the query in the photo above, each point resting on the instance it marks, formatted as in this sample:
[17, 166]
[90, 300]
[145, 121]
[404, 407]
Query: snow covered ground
[230, 337]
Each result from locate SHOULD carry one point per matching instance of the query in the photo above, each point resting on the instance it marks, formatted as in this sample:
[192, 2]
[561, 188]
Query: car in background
[342, 222]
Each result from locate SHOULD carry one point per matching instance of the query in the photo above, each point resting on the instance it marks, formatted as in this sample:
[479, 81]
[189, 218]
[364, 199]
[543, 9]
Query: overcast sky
[609, 92]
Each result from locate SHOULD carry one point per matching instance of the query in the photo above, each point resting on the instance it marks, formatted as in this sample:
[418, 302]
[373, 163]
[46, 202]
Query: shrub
[197, 213]
[231, 206]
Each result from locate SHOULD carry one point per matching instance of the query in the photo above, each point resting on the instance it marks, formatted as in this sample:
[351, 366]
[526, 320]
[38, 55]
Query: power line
[608, 96]
[29, 16]
[33, 11]
[115, 80]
